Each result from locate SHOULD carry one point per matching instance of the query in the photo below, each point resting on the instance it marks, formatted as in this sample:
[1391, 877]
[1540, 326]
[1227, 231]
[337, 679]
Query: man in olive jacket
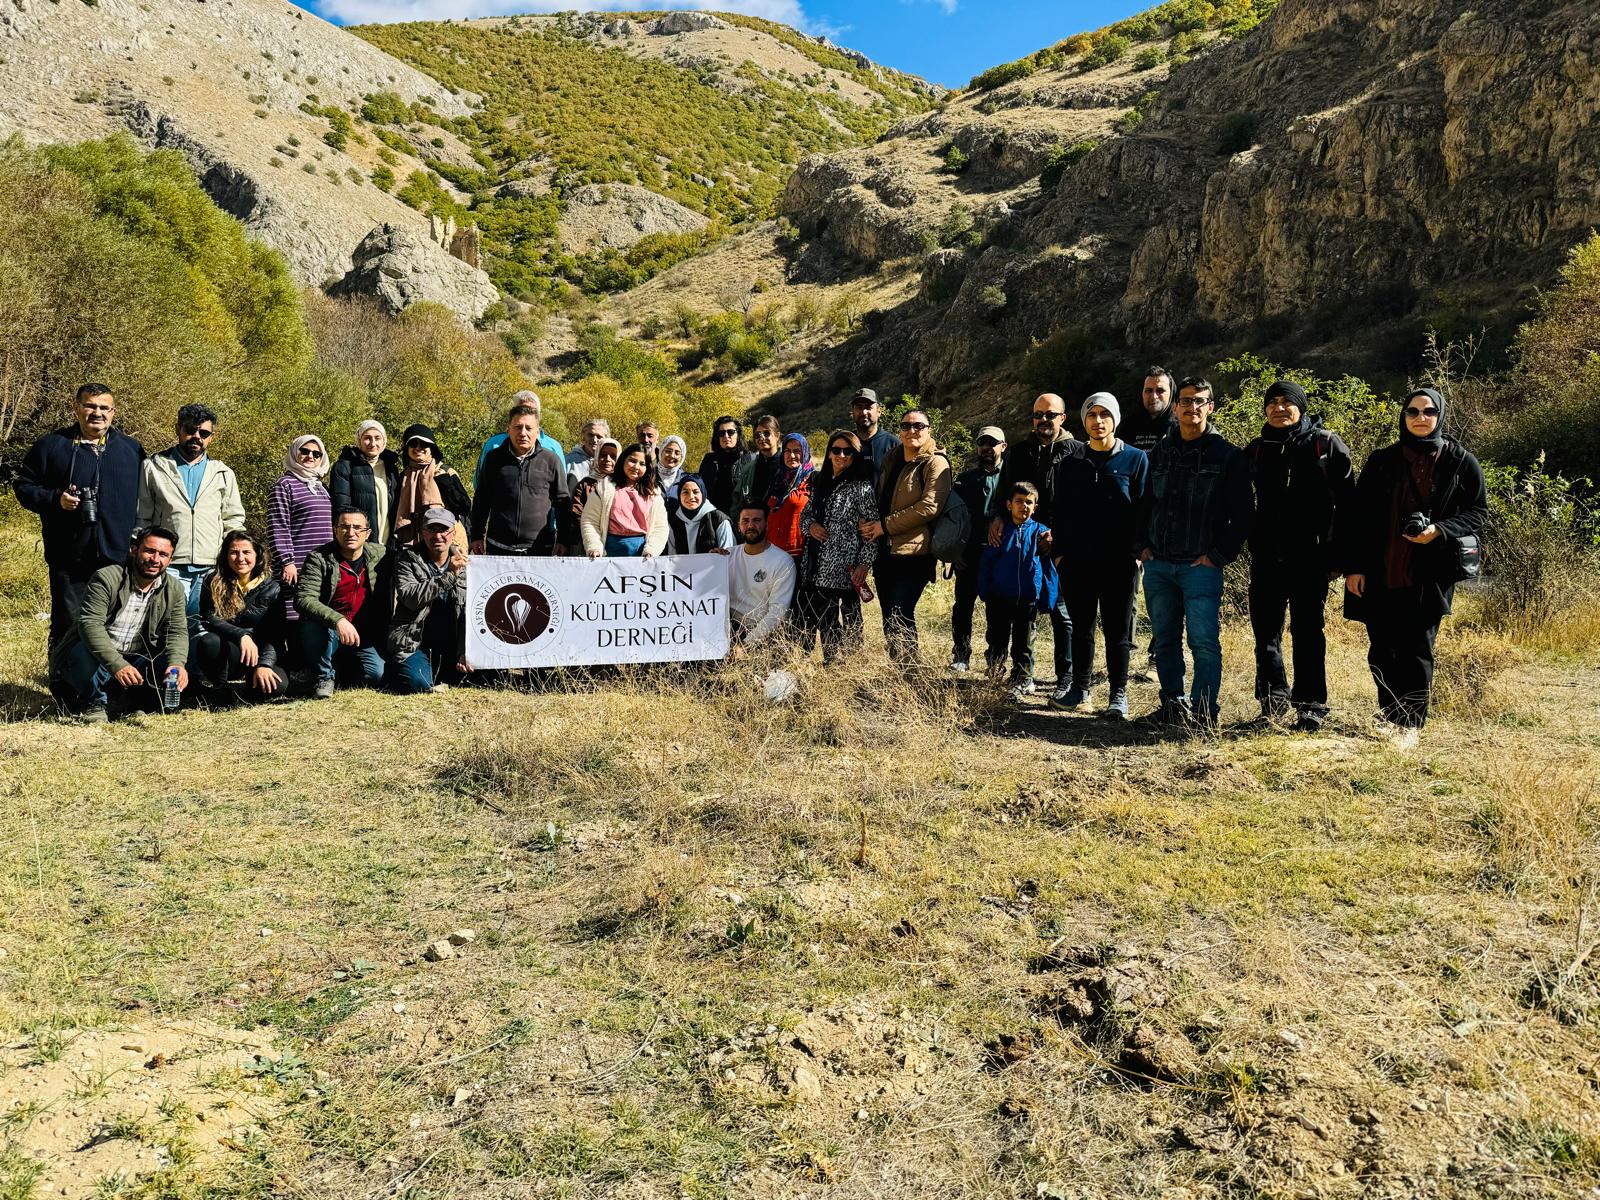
[343, 603]
[132, 629]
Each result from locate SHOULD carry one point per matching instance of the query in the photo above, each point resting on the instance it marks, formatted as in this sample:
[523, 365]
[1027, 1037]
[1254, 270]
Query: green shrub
[1347, 405]
[602, 352]
[423, 192]
[1541, 551]
[955, 161]
[999, 76]
[383, 179]
[956, 226]
[739, 342]
[386, 108]
[1107, 49]
[1149, 58]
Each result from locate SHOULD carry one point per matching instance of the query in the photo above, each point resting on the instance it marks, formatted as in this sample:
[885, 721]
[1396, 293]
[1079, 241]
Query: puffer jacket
[217, 508]
[418, 587]
[913, 502]
[351, 485]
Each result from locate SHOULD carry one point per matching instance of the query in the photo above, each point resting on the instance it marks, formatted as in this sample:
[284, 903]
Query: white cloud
[354, 12]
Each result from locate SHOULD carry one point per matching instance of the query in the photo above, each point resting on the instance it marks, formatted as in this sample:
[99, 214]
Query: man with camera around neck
[83, 481]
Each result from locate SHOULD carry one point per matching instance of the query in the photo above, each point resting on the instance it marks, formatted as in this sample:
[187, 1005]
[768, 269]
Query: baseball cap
[990, 431]
[438, 516]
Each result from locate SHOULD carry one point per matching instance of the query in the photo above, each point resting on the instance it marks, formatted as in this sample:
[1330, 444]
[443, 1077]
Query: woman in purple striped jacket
[299, 513]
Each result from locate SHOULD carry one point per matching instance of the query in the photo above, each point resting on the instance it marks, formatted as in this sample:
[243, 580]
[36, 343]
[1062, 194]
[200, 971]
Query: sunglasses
[418, 444]
[1430, 411]
[205, 435]
[309, 452]
[842, 451]
[909, 426]
[1048, 416]
[727, 433]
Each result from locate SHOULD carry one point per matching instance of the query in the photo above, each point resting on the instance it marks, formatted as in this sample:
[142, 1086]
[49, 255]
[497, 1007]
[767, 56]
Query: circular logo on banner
[516, 613]
[516, 610]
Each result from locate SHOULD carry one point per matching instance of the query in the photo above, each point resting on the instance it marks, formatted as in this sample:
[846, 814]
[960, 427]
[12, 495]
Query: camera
[1415, 525]
[89, 505]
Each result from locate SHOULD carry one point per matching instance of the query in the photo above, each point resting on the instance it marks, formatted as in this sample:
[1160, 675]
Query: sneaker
[1068, 699]
[324, 690]
[1310, 721]
[1406, 739]
[1117, 708]
[95, 714]
[1170, 712]
[959, 667]
[1022, 687]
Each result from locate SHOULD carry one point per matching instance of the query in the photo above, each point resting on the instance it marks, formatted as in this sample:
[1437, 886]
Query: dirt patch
[101, 1105]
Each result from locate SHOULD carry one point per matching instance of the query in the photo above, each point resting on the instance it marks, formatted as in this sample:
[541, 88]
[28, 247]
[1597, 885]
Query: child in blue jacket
[1016, 582]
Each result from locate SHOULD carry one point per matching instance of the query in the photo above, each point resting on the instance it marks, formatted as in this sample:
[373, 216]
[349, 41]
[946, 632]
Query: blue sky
[947, 41]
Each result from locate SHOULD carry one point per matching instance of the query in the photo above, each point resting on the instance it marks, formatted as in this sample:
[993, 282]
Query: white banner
[578, 612]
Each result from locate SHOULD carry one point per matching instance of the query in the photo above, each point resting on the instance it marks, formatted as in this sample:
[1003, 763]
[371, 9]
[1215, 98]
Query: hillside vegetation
[718, 136]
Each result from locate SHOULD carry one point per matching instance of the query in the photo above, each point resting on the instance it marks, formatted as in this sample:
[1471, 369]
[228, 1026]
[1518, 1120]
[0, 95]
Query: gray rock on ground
[399, 268]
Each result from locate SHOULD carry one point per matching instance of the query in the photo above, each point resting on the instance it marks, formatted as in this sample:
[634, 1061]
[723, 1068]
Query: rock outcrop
[613, 216]
[399, 268]
[1321, 187]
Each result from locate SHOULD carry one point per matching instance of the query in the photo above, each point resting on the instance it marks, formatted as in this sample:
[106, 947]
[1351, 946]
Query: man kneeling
[340, 603]
[427, 640]
[134, 631]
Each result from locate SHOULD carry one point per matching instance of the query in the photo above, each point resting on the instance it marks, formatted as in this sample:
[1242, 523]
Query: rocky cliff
[1328, 186]
[224, 82]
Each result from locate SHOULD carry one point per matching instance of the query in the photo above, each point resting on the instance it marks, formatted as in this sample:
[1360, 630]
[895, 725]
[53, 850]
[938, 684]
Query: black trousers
[1301, 590]
[1400, 655]
[216, 660]
[1104, 592]
[901, 580]
[67, 588]
[833, 614]
[961, 613]
[1010, 624]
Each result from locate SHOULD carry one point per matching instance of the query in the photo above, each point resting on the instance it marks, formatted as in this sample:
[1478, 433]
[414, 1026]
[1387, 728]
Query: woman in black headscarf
[1404, 554]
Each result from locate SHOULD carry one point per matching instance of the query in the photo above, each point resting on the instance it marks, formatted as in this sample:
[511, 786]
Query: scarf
[310, 476]
[594, 460]
[419, 490]
[786, 479]
[362, 428]
[1435, 441]
[671, 479]
[691, 517]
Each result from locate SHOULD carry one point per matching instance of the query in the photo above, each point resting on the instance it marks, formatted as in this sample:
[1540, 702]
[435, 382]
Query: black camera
[1415, 525]
[89, 505]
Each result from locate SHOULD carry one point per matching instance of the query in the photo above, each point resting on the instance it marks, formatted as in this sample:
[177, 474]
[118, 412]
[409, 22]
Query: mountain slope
[224, 81]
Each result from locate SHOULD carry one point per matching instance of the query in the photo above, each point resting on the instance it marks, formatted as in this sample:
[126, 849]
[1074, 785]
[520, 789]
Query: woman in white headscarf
[299, 512]
[669, 468]
[367, 479]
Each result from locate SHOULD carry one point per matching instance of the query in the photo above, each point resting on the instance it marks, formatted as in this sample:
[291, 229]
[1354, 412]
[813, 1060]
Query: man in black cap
[976, 487]
[1303, 482]
[866, 412]
[427, 637]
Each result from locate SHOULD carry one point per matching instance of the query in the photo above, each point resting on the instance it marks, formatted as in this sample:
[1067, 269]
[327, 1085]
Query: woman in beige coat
[625, 516]
[913, 487]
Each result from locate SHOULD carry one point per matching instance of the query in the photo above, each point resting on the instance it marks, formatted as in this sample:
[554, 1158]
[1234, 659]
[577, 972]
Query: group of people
[360, 572]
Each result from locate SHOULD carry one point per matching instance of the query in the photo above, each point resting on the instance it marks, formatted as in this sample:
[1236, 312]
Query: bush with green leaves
[955, 160]
[1001, 75]
[1062, 158]
[1541, 552]
[1347, 405]
[1108, 49]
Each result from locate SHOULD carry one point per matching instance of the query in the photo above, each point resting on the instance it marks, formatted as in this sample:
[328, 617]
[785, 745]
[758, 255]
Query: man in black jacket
[1034, 461]
[976, 487]
[1156, 417]
[83, 481]
[522, 484]
[1194, 524]
[1303, 483]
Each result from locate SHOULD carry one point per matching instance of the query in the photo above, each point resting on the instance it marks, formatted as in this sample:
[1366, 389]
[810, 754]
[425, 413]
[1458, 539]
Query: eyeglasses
[1048, 416]
[909, 426]
[309, 452]
[205, 435]
[1430, 411]
[842, 451]
[1194, 401]
[351, 529]
[727, 433]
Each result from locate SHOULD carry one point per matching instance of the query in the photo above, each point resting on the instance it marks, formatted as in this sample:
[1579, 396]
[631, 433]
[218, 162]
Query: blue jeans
[88, 684]
[321, 645]
[192, 575]
[620, 545]
[1179, 596]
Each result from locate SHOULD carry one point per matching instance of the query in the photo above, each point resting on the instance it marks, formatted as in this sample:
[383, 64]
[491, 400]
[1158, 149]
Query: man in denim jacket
[1196, 518]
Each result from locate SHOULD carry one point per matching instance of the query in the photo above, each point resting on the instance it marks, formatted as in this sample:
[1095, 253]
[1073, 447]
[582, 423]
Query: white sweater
[760, 587]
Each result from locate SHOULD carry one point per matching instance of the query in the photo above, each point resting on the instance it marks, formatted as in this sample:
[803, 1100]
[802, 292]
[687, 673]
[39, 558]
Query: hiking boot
[95, 714]
[1310, 720]
[323, 690]
[1117, 709]
[1069, 699]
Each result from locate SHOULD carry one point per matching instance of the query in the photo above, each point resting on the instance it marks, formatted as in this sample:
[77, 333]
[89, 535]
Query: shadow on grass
[24, 702]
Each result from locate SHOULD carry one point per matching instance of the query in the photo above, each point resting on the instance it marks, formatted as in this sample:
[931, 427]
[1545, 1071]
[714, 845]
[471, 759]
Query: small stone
[1337, 1168]
[861, 1114]
[136, 1047]
[415, 1121]
[439, 950]
[263, 932]
[1291, 1039]
[805, 1085]
[1419, 1105]
[461, 937]
[460, 1097]
[399, 1007]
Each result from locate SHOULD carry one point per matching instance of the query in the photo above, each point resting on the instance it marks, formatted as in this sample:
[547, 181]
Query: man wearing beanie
[1196, 519]
[1303, 483]
[1098, 496]
[1034, 459]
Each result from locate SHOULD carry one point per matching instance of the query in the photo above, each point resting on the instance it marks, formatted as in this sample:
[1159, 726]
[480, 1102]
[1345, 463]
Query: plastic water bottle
[170, 695]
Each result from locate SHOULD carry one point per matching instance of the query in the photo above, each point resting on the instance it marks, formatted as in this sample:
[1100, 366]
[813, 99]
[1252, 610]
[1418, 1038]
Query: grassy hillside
[559, 104]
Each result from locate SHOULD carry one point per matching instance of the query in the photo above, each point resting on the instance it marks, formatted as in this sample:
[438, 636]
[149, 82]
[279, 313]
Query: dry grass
[727, 948]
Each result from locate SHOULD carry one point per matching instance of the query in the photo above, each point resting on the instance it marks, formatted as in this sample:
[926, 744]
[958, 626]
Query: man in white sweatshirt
[761, 580]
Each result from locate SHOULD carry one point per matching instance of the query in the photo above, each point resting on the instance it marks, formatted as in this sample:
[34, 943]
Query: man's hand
[265, 680]
[129, 677]
[463, 669]
[249, 655]
[458, 558]
[1356, 585]
[816, 532]
[996, 527]
[1146, 554]
[1422, 539]
[1204, 561]
[291, 573]
[183, 679]
[70, 499]
[476, 547]
[858, 576]
[871, 531]
[558, 551]
[347, 633]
